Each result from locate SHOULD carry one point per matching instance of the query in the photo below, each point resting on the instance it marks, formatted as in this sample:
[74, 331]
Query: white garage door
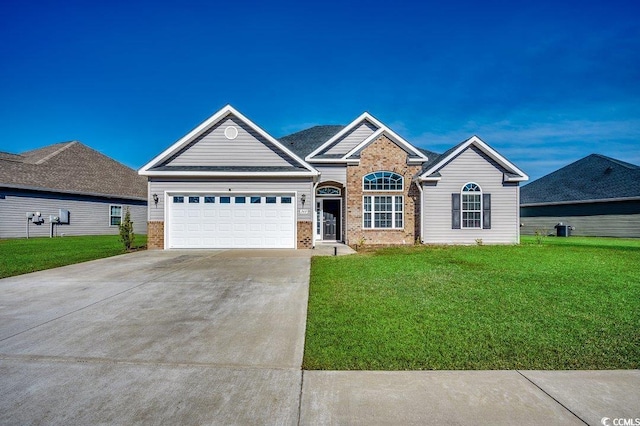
[231, 221]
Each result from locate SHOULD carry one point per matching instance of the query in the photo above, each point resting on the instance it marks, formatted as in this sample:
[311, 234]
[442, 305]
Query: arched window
[328, 190]
[471, 206]
[383, 211]
[383, 181]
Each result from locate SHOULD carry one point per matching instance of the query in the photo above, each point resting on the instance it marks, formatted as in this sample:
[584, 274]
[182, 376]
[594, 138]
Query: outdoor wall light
[303, 199]
[155, 199]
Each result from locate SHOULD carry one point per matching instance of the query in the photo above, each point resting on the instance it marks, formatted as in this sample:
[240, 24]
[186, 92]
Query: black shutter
[486, 211]
[455, 211]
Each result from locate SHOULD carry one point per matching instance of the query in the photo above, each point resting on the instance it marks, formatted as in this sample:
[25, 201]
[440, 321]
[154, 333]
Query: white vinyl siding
[214, 149]
[90, 216]
[333, 173]
[470, 165]
[352, 139]
[232, 185]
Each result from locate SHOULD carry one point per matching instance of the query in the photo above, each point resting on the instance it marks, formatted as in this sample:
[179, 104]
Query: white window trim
[373, 211]
[384, 190]
[121, 213]
[463, 211]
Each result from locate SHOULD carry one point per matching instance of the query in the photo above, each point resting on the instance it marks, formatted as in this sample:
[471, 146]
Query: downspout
[314, 214]
[421, 207]
[518, 213]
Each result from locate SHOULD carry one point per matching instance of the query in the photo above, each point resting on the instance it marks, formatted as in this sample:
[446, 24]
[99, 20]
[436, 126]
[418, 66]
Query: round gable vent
[231, 132]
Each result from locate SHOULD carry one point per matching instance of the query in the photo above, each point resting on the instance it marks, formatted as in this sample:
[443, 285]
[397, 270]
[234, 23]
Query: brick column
[305, 235]
[155, 235]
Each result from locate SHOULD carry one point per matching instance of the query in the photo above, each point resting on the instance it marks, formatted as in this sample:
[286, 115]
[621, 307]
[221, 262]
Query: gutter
[559, 203]
[64, 191]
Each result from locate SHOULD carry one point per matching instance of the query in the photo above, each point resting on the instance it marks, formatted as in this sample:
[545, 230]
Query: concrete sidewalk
[217, 337]
[469, 397]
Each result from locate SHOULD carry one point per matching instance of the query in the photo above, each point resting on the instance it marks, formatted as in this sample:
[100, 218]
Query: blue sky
[544, 82]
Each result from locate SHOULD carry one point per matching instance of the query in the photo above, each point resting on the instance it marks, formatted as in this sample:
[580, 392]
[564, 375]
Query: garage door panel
[227, 222]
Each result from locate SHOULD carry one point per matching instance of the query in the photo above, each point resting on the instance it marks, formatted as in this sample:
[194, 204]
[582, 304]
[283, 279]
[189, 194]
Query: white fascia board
[381, 130]
[341, 133]
[312, 173]
[415, 161]
[430, 179]
[329, 160]
[476, 141]
[215, 118]
[516, 179]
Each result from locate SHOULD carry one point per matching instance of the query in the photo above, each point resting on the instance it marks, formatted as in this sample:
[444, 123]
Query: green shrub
[126, 230]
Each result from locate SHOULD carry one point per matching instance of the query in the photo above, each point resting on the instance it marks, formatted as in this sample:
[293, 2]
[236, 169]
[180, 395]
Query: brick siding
[382, 154]
[305, 235]
[155, 235]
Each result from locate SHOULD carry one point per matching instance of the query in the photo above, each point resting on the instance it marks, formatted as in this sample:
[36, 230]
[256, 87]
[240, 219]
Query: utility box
[63, 216]
[563, 230]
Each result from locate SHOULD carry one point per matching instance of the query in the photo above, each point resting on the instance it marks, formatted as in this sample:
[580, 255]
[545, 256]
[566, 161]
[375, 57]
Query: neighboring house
[597, 196]
[86, 190]
[228, 183]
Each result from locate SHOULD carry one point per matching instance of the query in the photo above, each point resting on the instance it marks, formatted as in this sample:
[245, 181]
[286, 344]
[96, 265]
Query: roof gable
[346, 145]
[227, 143]
[349, 140]
[71, 167]
[431, 168]
[595, 177]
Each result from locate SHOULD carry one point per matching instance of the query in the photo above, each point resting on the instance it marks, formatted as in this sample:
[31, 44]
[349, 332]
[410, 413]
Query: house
[85, 190]
[596, 195]
[229, 184]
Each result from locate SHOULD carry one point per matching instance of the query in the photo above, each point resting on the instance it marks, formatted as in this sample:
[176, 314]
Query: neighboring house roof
[70, 167]
[165, 163]
[592, 178]
[431, 168]
[306, 141]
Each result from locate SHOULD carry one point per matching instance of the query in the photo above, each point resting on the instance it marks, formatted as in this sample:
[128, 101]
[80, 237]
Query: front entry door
[331, 219]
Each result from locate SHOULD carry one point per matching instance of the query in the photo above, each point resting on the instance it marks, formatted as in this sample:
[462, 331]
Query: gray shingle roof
[304, 142]
[71, 167]
[594, 177]
[435, 158]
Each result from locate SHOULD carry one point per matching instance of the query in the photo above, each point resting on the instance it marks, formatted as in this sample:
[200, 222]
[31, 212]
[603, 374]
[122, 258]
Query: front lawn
[21, 255]
[570, 303]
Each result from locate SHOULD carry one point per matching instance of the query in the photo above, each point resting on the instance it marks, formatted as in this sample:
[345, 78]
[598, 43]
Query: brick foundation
[382, 154]
[305, 235]
[155, 235]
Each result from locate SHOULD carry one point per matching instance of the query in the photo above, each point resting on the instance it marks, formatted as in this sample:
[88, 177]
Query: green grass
[21, 255]
[570, 303]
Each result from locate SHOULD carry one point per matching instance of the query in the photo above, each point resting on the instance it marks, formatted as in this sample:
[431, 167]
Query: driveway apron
[172, 337]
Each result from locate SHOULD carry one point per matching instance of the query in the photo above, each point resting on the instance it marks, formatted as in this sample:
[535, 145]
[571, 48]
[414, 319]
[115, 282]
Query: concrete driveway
[172, 337]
